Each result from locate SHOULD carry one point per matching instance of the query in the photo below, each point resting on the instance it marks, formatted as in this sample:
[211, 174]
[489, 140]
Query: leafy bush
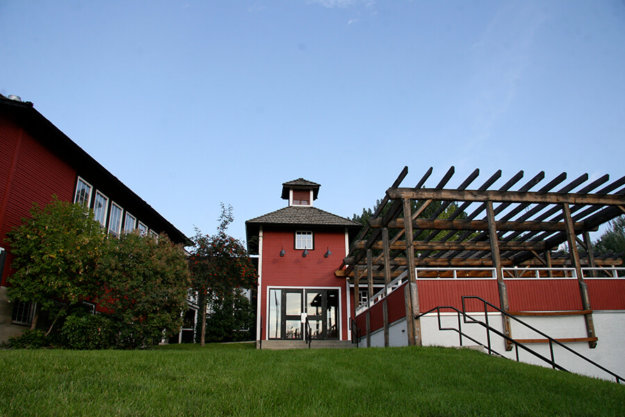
[92, 331]
[30, 339]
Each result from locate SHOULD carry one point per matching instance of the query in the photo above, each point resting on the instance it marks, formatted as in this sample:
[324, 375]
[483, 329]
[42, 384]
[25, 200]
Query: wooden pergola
[518, 223]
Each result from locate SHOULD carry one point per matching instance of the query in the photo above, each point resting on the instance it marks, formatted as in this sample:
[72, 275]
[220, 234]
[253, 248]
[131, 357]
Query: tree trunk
[203, 331]
[33, 324]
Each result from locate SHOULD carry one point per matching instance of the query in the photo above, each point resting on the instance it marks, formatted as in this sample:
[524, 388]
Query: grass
[236, 379]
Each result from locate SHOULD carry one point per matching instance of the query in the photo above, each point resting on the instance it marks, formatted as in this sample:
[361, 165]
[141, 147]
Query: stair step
[300, 344]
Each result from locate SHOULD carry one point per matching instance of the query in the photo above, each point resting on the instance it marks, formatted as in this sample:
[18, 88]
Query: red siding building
[299, 248]
[37, 162]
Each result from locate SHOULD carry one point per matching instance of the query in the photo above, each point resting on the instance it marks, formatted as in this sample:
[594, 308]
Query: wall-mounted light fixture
[305, 253]
[327, 254]
[282, 253]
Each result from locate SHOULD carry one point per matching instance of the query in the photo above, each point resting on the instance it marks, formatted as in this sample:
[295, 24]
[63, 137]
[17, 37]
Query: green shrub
[92, 331]
[30, 339]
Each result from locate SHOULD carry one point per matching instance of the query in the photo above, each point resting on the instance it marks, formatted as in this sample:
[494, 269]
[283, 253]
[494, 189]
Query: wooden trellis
[515, 224]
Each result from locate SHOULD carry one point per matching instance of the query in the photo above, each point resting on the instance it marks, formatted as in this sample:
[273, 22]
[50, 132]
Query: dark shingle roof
[300, 184]
[310, 216]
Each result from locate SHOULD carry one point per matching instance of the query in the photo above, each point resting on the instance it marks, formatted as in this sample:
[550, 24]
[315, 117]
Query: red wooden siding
[28, 173]
[606, 294]
[294, 270]
[550, 294]
[448, 292]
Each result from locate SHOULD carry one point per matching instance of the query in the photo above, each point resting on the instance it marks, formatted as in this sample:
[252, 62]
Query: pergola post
[501, 285]
[583, 289]
[387, 280]
[412, 296]
[370, 285]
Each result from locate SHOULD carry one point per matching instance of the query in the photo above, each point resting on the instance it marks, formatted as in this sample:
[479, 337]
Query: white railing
[456, 273]
[603, 273]
[380, 295]
[539, 273]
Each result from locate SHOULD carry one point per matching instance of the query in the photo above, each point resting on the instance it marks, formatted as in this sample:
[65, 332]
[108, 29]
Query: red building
[299, 248]
[37, 162]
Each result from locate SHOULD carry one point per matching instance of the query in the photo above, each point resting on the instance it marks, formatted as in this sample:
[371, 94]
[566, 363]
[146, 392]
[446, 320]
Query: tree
[219, 266]
[146, 282]
[62, 257]
[613, 240]
[56, 253]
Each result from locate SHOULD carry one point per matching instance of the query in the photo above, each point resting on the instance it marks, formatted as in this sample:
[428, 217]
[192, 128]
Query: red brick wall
[28, 173]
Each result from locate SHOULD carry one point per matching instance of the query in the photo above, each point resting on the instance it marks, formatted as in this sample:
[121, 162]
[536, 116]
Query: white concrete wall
[609, 327]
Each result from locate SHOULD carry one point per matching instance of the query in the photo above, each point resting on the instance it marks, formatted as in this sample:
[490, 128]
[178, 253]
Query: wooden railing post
[583, 289]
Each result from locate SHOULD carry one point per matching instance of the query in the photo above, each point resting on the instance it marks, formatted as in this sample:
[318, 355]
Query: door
[287, 305]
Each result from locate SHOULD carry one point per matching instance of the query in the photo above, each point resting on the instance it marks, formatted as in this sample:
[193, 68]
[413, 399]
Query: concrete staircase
[300, 344]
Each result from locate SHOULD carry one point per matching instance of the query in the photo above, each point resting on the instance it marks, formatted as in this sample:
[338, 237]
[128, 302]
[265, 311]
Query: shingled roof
[300, 184]
[309, 216]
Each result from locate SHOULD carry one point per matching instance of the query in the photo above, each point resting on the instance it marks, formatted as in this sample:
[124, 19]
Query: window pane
[293, 329]
[83, 193]
[99, 207]
[293, 303]
[115, 221]
[332, 314]
[143, 229]
[129, 223]
[303, 240]
[314, 300]
[275, 316]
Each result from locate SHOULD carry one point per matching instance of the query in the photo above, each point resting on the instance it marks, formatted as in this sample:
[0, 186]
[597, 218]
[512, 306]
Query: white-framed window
[130, 223]
[115, 219]
[304, 239]
[100, 207]
[153, 234]
[83, 192]
[143, 229]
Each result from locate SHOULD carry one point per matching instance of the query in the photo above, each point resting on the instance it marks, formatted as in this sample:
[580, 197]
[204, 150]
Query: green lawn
[239, 380]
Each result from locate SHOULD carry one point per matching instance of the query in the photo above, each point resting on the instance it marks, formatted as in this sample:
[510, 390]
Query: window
[153, 234]
[83, 192]
[130, 222]
[304, 240]
[115, 219]
[100, 207]
[23, 312]
[143, 229]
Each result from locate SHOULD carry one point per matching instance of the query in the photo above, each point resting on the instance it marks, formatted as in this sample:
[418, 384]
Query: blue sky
[193, 103]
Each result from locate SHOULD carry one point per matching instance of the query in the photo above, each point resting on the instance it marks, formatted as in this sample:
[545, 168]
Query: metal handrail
[308, 333]
[355, 331]
[516, 343]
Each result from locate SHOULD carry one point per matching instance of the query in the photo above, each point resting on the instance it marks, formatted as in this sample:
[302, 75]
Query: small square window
[304, 240]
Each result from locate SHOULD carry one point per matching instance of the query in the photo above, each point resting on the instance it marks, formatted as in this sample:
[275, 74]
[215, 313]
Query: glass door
[322, 311]
[292, 314]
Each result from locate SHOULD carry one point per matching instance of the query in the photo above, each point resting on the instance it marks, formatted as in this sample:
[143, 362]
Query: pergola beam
[504, 197]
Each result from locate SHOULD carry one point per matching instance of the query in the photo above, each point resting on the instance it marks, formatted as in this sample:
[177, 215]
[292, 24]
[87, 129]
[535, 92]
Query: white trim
[78, 180]
[259, 294]
[349, 311]
[346, 242]
[288, 287]
[290, 197]
[310, 201]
